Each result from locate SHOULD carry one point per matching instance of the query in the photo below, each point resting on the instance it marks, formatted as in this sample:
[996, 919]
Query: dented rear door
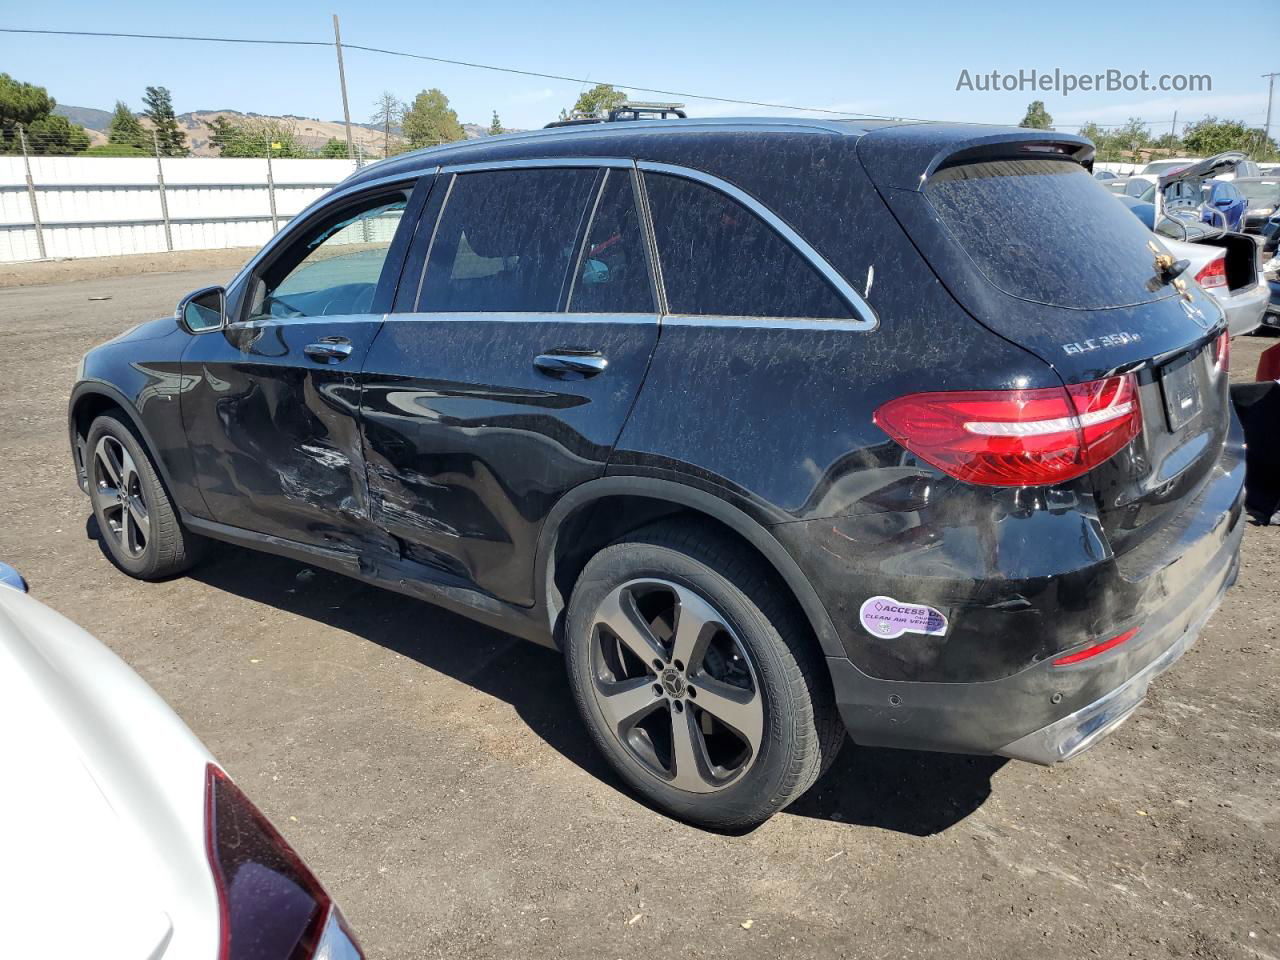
[506, 371]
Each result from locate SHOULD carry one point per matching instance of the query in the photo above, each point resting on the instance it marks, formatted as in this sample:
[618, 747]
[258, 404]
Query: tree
[55, 135]
[388, 112]
[172, 141]
[1211, 135]
[596, 102]
[1037, 116]
[1093, 132]
[125, 130]
[117, 150]
[495, 125]
[256, 137]
[430, 120]
[335, 149]
[30, 107]
[1130, 139]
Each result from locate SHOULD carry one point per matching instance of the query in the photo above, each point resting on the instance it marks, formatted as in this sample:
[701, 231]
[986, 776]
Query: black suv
[778, 428]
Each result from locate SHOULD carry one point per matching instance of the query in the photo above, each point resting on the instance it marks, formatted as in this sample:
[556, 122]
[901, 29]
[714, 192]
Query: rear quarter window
[1046, 231]
[720, 259]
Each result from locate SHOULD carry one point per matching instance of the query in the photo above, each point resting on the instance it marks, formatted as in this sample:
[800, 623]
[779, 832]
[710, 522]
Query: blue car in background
[1224, 204]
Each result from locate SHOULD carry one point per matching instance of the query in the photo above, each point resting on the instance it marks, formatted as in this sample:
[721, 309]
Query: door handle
[571, 364]
[328, 350]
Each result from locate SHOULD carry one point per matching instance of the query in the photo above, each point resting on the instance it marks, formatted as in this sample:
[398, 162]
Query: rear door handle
[571, 364]
[328, 350]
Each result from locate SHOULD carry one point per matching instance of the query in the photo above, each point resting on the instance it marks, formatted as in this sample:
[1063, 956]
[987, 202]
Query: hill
[311, 132]
[88, 117]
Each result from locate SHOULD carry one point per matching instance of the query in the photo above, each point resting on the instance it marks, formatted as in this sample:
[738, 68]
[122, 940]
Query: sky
[870, 59]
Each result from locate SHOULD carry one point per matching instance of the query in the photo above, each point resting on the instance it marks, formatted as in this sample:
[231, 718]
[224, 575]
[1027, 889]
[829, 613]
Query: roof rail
[628, 110]
[638, 110]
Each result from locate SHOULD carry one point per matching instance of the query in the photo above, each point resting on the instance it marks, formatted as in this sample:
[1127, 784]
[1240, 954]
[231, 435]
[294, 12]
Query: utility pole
[1173, 131]
[31, 195]
[164, 200]
[1271, 89]
[342, 82]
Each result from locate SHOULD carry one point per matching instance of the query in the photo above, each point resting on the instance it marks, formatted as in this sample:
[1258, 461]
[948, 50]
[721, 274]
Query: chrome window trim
[534, 163]
[511, 316]
[865, 317]
[337, 194]
[849, 324]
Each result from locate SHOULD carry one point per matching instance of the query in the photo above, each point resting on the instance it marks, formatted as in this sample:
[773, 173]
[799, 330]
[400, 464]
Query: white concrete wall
[105, 206]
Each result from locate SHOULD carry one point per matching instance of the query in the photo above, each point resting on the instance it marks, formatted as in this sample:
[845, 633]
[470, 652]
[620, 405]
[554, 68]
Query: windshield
[1046, 231]
[1262, 193]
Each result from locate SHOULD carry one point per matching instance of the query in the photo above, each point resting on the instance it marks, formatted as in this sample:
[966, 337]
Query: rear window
[1046, 231]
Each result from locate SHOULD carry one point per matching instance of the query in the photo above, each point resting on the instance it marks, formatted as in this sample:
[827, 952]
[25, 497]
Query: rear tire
[137, 520]
[681, 645]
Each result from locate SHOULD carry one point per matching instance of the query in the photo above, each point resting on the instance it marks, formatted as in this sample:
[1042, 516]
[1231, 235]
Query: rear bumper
[1244, 309]
[1081, 729]
[1044, 713]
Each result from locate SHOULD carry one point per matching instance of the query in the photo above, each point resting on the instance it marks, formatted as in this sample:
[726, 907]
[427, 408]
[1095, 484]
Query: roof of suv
[621, 138]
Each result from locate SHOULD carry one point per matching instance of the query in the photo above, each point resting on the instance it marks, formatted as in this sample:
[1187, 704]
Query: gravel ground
[434, 774]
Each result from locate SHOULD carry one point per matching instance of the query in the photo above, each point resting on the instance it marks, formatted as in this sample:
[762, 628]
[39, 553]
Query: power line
[165, 36]
[446, 60]
[633, 86]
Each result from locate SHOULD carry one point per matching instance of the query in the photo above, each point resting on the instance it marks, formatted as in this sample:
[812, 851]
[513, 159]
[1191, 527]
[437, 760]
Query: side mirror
[203, 310]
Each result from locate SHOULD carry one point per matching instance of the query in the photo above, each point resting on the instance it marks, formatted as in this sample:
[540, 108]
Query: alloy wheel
[676, 685]
[118, 488]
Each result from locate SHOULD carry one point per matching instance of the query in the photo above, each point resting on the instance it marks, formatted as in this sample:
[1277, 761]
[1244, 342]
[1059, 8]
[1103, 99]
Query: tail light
[1017, 438]
[1213, 274]
[271, 906]
[1095, 649]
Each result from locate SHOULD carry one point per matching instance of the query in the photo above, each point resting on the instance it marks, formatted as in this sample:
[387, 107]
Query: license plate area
[1180, 386]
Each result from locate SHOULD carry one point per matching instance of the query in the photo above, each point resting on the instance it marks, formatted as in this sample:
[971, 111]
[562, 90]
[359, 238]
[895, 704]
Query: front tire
[697, 678]
[137, 521]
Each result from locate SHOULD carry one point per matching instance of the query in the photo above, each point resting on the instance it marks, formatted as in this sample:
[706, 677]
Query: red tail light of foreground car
[1015, 438]
[271, 906]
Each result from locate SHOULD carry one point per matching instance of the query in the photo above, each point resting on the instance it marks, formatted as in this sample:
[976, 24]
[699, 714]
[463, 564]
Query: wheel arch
[574, 531]
[89, 400]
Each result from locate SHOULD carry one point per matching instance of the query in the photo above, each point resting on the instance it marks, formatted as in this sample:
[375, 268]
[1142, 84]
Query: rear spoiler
[905, 157]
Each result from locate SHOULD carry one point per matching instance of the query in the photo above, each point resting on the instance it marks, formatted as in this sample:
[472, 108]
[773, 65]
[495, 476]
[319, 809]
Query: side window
[719, 258]
[333, 269]
[612, 275]
[504, 241]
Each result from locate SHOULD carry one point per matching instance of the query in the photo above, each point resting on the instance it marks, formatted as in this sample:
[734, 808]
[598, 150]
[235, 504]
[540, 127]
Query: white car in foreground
[123, 836]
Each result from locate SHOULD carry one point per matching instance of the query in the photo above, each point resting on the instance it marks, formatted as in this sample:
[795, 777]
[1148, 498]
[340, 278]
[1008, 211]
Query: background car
[1224, 205]
[1263, 200]
[1104, 175]
[1222, 263]
[1272, 316]
[125, 838]
[1158, 168]
[1242, 166]
[1129, 186]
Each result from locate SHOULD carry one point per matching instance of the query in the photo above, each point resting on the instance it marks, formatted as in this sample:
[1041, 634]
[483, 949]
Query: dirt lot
[434, 774]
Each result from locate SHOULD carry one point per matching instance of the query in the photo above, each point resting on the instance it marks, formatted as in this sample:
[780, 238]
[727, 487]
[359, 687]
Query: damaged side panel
[470, 445]
[274, 433]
